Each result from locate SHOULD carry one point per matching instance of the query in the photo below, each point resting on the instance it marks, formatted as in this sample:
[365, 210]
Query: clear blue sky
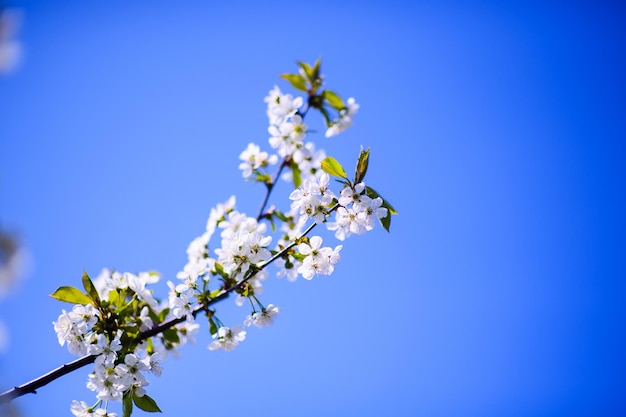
[496, 129]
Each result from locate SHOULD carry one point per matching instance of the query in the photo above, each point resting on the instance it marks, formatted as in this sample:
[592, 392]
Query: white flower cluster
[244, 244]
[313, 198]
[253, 159]
[81, 409]
[345, 119]
[357, 213]
[227, 339]
[318, 260]
[262, 318]
[281, 107]
[111, 379]
[287, 134]
[74, 328]
[116, 372]
[124, 354]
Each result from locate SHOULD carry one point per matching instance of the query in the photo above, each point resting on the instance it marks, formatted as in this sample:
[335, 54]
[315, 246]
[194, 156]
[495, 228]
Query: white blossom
[227, 339]
[243, 244]
[153, 362]
[354, 196]
[319, 260]
[108, 349]
[262, 318]
[345, 119]
[187, 332]
[253, 159]
[81, 409]
[181, 300]
[372, 212]
[312, 198]
[138, 283]
[347, 222]
[106, 383]
[130, 374]
[218, 214]
[288, 137]
[281, 106]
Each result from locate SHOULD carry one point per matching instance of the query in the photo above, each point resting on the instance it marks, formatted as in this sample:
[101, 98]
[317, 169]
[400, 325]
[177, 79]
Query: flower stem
[32, 386]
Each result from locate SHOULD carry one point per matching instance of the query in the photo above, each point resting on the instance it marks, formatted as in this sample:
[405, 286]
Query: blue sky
[496, 129]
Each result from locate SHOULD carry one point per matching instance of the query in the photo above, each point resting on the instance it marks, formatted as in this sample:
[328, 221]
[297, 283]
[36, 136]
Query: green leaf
[281, 216]
[327, 118]
[114, 298]
[331, 166]
[307, 69]
[171, 335]
[219, 269]
[385, 221]
[212, 326]
[163, 314]
[127, 404]
[297, 175]
[316, 69]
[272, 223]
[71, 295]
[298, 256]
[296, 80]
[333, 99]
[373, 194]
[262, 177]
[91, 289]
[146, 403]
[361, 165]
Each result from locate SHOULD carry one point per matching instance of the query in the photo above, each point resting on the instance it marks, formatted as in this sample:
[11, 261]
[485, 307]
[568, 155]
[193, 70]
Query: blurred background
[496, 130]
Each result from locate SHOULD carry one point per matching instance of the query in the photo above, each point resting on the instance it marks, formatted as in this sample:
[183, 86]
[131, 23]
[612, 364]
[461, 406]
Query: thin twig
[32, 386]
[270, 187]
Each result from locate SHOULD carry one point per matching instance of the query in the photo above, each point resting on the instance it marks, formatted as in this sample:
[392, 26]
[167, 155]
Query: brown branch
[31, 387]
[270, 186]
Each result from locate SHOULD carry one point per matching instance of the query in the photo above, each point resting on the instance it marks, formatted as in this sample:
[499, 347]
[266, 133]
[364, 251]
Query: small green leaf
[324, 112]
[373, 194]
[262, 177]
[333, 99]
[163, 314]
[331, 166]
[385, 221]
[281, 216]
[248, 290]
[297, 175]
[146, 403]
[272, 223]
[171, 335]
[71, 295]
[219, 270]
[127, 404]
[114, 297]
[307, 69]
[296, 80]
[316, 71]
[298, 256]
[212, 326]
[361, 165]
[91, 289]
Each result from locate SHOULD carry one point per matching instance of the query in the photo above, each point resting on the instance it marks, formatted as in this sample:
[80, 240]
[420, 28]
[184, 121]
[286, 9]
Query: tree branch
[32, 386]
[270, 187]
